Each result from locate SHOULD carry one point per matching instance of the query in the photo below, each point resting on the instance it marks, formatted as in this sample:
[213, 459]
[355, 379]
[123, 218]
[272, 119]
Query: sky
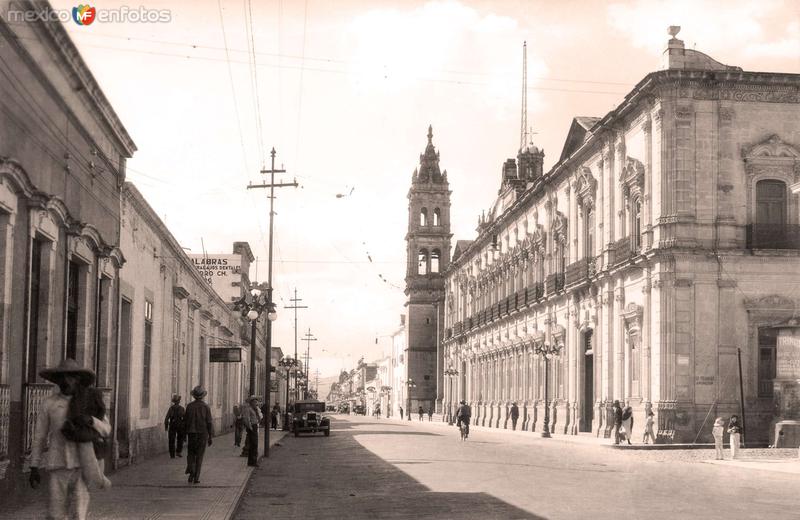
[344, 91]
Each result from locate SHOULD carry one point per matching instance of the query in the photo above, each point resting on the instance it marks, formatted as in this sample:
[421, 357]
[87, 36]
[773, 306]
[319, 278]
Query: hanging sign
[225, 355]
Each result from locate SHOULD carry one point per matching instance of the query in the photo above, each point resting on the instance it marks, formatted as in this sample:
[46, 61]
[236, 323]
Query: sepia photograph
[399, 259]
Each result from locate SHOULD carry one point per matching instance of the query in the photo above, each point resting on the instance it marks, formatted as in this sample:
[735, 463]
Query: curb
[279, 435]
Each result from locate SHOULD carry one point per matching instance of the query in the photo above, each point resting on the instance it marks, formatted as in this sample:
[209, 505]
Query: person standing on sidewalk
[401, 413]
[627, 422]
[251, 420]
[430, 413]
[276, 411]
[200, 429]
[648, 428]
[421, 413]
[238, 425]
[616, 410]
[69, 494]
[514, 415]
[718, 431]
[173, 424]
[735, 430]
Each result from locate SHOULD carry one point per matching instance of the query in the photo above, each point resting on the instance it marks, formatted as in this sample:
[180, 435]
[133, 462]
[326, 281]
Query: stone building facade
[62, 164]
[169, 319]
[428, 256]
[663, 243]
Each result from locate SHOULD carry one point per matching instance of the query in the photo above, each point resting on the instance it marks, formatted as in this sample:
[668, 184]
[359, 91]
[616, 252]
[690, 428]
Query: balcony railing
[5, 419]
[579, 271]
[773, 236]
[35, 394]
[624, 250]
[554, 283]
[458, 328]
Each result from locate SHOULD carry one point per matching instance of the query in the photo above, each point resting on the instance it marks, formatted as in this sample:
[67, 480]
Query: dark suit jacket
[198, 418]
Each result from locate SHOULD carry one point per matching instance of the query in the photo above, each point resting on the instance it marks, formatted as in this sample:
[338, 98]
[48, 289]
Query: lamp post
[450, 373]
[410, 384]
[548, 351]
[290, 364]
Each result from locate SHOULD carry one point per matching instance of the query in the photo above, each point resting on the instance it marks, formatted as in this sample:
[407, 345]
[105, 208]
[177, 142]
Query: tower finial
[430, 134]
[523, 130]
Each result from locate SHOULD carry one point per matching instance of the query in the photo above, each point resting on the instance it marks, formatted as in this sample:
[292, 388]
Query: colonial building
[663, 243]
[62, 164]
[428, 256]
[169, 319]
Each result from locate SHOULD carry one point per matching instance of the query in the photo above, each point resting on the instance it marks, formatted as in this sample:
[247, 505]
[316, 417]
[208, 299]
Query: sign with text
[221, 272]
[225, 354]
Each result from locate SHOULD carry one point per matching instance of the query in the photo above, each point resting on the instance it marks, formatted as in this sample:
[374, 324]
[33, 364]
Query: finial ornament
[674, 30]
[430, 134]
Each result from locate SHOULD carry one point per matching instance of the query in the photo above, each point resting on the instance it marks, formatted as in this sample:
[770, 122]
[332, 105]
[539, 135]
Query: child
[735, 429]
[648, 428]
[719, 431]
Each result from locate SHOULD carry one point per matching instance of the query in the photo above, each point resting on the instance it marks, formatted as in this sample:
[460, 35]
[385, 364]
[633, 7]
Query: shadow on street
[336, 477]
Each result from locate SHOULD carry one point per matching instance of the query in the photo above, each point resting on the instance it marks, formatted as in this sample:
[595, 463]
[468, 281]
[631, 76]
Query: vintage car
[308, 418]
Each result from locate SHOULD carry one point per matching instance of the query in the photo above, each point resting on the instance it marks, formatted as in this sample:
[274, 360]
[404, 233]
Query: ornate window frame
[632, 182]
[772, 159]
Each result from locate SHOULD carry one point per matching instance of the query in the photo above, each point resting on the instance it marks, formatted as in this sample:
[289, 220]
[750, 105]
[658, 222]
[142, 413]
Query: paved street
[372, 468]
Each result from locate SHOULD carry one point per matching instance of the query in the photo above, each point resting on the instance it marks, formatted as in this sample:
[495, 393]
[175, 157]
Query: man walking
[401, 413]
[200, 429]
[173, 424]
[463, 415]
[276, 411]
[514, 415]
[251, 420]
[430, 413]
[421, 413]
[69, 495]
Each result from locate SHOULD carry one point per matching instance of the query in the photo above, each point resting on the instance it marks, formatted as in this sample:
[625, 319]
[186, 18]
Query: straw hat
[199, 392]
[68, 366]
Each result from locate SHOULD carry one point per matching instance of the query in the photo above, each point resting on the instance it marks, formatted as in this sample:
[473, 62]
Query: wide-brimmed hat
[176, 398]
[253, 398]
[198, 392]
[68, 366]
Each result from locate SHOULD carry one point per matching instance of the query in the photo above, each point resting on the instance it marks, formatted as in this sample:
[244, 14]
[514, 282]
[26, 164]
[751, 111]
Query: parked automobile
[308, 418]
[359, 410]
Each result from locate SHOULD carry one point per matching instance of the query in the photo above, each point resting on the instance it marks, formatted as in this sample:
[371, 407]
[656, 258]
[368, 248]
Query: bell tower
[428, 253]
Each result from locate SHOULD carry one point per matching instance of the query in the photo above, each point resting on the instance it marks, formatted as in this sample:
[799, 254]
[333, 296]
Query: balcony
[773, 236]
[458, 328]
[624, 250]
[554, 283]
[579, 271]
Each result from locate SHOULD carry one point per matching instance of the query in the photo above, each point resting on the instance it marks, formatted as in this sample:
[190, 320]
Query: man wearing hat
[173, 424]
[251, 420]
[200, 429]
[68, 488]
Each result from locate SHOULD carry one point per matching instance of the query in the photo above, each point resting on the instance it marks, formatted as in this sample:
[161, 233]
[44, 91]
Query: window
[423, 217]
[203, 361]
[176, 349]
[770, 203]
[437, 217]
[588, 243]
[146, 353]
[435, 260]
[35, 288]
[422, 262]
[767, 348]
[73, 307]
[636, 225]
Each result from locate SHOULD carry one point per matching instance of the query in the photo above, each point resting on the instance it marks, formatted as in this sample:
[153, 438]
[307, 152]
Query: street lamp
[251, 306]
[290, 364]
[548, 351]
[450, 373]
[410, 384]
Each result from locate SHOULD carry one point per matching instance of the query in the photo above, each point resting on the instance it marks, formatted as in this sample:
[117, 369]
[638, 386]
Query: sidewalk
[157, 487]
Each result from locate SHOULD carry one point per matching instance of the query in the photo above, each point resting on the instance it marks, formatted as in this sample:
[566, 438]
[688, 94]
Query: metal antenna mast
[523, 130]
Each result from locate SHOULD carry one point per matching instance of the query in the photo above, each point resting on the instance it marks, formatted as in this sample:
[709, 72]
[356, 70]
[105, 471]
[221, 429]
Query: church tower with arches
[428, 255]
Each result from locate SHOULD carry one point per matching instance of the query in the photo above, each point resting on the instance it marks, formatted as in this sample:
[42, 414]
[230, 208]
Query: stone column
[646, 390]
[621, 372]
[572, 352]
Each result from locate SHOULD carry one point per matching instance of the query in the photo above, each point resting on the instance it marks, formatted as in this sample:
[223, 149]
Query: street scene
[399, 259]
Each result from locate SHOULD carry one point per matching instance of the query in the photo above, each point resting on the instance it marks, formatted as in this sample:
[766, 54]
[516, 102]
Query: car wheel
[327, 433]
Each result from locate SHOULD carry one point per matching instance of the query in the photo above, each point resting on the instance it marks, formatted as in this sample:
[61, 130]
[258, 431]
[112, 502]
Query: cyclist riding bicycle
[463, 415]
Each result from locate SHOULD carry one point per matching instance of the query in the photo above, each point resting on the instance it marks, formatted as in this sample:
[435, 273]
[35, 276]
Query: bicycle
[463, 428]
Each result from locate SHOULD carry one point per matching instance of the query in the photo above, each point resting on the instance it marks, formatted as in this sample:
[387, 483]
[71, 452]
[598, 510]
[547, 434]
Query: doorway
[123, 410]
[587, 413]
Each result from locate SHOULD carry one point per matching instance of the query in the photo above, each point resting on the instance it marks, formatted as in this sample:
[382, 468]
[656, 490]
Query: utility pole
[268, 355]
[309, 338]
[295, 307]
